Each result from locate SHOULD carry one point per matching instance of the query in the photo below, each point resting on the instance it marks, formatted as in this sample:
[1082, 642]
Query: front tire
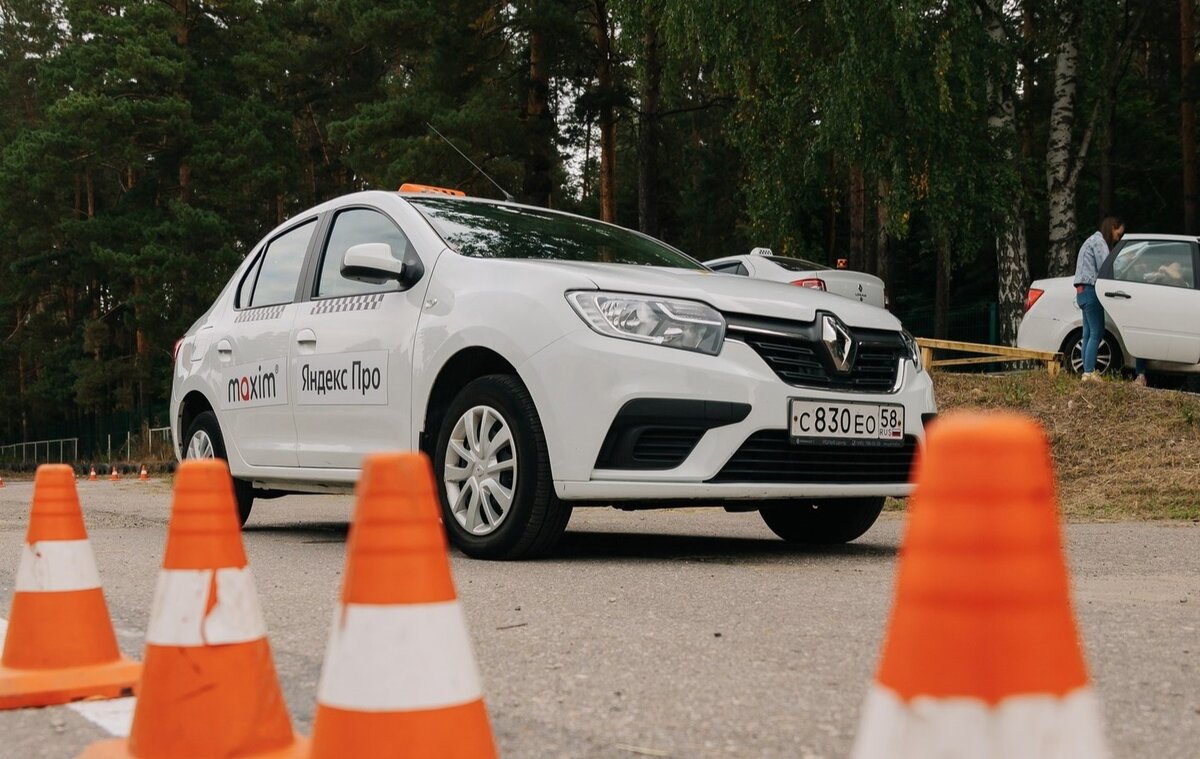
[1108, 355]
[826, 522]
[493, 473]
[204, 441]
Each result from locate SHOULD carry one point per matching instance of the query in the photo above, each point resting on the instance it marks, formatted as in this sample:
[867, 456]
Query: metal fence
[41, 451]
[150, 444]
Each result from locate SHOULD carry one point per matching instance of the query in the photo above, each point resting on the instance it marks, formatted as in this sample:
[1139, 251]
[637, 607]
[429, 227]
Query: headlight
[685, 324]
[914, 350]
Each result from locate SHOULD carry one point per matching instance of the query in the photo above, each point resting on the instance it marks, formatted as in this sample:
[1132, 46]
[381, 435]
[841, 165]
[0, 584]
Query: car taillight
[1032, 297]
[175, 350]
[812, 283]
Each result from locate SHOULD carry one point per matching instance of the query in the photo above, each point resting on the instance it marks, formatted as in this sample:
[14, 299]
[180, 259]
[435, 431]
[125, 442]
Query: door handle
[306, 337]
[225, 348]
[1118, 294]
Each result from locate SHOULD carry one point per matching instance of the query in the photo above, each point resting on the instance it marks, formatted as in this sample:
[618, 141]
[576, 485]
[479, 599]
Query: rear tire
[204, 441]
[824, 522]
[493, 473]
[1108, 355]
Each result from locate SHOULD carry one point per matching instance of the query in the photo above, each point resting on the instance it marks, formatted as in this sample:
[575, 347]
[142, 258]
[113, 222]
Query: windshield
[497, 230]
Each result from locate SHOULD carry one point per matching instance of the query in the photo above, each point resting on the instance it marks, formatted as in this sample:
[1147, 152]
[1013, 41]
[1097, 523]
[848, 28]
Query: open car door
[1148, 288]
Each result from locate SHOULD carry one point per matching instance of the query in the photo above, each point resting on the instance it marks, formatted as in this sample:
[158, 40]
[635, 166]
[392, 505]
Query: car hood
[731, 295]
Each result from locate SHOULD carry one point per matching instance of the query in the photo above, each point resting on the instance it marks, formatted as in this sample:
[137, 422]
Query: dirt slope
[1121, 451]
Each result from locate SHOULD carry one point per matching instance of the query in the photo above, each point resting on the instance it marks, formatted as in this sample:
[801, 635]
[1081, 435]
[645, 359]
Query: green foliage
[146, 146]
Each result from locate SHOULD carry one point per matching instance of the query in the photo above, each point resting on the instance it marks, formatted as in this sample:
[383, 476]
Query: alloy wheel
[481, 470]
[200, 446]
[1103, 356]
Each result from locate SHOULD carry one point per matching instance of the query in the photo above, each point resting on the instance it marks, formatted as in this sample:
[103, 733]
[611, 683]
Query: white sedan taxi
[1148, 287]
[544, 361]
[761, 263]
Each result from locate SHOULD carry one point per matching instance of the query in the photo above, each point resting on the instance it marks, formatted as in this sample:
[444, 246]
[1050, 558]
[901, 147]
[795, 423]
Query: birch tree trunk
[1012, 252]
[1061, 176]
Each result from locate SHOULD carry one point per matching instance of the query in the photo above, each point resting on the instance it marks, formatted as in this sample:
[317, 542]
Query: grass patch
[1120, 451]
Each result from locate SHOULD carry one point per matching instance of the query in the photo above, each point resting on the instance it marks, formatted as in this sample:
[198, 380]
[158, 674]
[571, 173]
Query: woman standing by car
[1092, 254]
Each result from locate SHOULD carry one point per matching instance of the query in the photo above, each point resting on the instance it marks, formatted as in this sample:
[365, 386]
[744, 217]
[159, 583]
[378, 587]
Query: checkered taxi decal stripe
[349, 303]
[260, 314]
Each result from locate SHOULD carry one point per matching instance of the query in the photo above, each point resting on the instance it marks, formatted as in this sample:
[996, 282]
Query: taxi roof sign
[761, 252]
[430, 189]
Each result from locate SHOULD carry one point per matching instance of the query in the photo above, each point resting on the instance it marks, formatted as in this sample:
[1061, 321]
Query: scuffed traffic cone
[144, 476]
[60, 645]
[982, 658]
[114, 477]
[92, 475]
[399, 678]
[209, 688]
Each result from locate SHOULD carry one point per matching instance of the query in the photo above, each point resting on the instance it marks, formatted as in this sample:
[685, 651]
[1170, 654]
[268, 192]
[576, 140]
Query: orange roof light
[430, 189]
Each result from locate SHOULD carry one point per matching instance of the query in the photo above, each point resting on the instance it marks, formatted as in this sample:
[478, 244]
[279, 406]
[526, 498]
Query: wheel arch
[461, 369]
[193, 405]
[1110, 335]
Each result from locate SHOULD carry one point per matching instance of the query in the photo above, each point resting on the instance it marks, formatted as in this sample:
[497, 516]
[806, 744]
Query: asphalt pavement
[679, 633]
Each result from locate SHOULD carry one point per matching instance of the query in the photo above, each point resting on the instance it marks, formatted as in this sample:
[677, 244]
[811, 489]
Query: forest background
[956, 148]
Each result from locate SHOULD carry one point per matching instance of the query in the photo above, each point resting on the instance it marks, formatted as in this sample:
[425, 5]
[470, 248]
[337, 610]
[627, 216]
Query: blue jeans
[1093, 325]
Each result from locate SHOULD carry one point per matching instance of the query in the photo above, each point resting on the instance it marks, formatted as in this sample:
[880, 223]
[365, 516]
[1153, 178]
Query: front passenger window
[280, 268]
[1156, 262]
[355, 227]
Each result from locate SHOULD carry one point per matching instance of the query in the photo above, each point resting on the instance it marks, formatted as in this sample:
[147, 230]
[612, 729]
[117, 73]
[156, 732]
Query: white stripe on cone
[57, 566]
[1019, 727]
[181, 599]
[399, 658]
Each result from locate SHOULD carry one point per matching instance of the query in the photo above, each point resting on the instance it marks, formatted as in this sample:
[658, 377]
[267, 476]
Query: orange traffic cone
[114, 476]
[144, 476]
[92, 475]
[209, 688]
[60, 645]
[399, 678]
[982, 658]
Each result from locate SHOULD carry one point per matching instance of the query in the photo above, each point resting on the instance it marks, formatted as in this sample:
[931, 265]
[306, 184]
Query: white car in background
[1151, 304]
[762, 264]
[544, 361]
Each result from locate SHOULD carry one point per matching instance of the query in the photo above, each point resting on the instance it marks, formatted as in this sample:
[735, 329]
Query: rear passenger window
[734, 267]
[279, 271]
[355, 227]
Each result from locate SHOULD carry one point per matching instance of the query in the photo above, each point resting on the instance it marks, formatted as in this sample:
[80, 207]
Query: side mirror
[371, 262]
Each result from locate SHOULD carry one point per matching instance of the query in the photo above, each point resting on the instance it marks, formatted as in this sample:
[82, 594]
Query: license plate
[845, 423]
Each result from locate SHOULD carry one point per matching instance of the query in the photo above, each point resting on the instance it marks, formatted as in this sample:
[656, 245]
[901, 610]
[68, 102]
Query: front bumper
[581, 382]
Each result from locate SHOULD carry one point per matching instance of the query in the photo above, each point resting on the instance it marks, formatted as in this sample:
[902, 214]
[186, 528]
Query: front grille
[795, 353]
[770, 456]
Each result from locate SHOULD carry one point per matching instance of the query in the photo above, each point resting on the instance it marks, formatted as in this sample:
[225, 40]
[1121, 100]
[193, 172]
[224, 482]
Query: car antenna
[505, 192]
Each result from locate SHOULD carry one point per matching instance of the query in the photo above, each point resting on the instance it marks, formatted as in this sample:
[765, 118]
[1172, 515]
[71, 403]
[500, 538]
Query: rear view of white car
[762, 264]
[544, 361]
[1151, 303]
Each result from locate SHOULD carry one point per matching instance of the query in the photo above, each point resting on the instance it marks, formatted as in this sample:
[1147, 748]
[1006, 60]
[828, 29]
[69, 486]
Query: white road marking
[114, 716]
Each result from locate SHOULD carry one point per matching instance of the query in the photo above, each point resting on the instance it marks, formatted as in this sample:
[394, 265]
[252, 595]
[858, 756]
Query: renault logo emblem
[838, 341]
